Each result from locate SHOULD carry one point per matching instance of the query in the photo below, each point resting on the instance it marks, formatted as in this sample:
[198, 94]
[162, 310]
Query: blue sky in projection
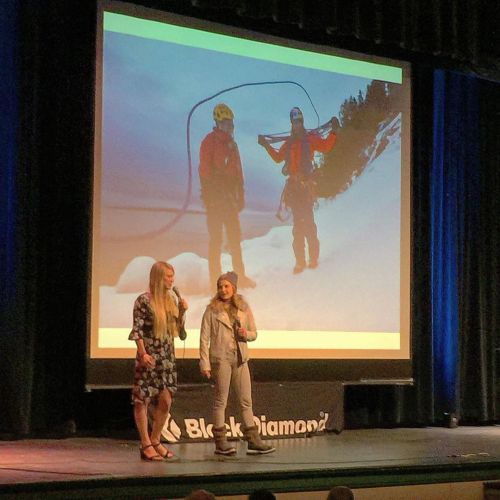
[149, 88]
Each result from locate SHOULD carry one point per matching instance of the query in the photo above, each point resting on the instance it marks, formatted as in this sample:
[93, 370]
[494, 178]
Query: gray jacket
[217, 333]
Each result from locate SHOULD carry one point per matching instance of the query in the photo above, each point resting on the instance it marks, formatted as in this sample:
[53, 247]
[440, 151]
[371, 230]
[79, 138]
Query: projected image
[283, 168]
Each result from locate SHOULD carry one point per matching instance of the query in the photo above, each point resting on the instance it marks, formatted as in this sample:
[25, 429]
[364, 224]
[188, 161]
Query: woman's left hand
[184, 305]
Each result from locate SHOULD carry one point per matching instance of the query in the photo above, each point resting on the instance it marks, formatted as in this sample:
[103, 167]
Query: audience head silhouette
[261, 494]
[340, 493]
[200, 495]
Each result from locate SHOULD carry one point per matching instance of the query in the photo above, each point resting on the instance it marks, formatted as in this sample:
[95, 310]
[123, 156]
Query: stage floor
[99, 468]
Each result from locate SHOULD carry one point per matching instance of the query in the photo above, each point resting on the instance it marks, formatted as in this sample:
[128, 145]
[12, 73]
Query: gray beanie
[231, 276]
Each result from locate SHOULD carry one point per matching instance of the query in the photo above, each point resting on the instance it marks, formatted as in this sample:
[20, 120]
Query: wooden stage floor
[110, 468]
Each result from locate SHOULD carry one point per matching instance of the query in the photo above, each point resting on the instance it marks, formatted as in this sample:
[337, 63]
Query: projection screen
[158, 78]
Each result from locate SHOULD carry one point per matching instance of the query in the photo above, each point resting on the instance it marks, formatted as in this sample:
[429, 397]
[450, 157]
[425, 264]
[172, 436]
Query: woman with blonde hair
[227, 326]
[158, 315]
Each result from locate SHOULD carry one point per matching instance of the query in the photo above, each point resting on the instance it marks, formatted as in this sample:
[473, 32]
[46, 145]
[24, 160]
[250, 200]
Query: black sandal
[152, 458]
[168, 455]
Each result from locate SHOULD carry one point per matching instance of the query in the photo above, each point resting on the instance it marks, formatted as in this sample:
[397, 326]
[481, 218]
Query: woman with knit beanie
[227, 326]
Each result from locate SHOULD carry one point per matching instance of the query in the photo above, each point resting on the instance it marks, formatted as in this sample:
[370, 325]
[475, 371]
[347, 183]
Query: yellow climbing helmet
[223, 112]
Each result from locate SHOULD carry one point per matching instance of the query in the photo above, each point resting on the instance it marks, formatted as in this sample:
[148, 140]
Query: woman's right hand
[206, 373]
[262, 140]
[147, 360]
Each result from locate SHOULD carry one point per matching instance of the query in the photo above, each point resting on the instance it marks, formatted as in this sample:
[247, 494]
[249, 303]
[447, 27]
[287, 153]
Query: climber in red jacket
[222, 193]
[297, 152]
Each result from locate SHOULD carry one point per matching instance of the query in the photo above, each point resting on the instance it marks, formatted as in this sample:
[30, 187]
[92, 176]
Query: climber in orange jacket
[223, 194]
[297, 152]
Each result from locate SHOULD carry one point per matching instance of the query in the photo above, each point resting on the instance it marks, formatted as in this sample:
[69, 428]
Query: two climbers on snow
[223, 194]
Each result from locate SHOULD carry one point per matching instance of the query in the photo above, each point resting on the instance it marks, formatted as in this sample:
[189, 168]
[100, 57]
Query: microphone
[182, 330]
[236, 327]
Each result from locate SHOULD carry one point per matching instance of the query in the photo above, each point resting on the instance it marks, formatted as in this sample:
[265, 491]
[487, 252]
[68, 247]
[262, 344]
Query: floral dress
[148, 382]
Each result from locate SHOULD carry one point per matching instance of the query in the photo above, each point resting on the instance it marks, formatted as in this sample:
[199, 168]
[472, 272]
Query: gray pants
[228, 374]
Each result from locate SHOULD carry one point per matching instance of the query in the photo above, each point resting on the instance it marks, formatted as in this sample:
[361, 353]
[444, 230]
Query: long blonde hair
[165, 310]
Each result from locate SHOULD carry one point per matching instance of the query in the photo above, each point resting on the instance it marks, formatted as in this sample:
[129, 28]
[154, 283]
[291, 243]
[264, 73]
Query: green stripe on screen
[119, 23]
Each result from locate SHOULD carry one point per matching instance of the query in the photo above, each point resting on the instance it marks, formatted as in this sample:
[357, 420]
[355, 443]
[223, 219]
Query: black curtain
[43, 325]
[416, 404]
[480, 297]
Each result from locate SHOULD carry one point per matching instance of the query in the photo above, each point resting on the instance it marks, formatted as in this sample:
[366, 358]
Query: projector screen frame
[345, 366]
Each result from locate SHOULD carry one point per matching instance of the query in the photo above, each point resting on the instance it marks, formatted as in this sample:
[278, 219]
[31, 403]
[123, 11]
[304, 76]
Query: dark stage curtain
[455, 202]
[464, 252]
[47, 209]
[46, 204]
[10, 262]
[8, 147]
[479, 329]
